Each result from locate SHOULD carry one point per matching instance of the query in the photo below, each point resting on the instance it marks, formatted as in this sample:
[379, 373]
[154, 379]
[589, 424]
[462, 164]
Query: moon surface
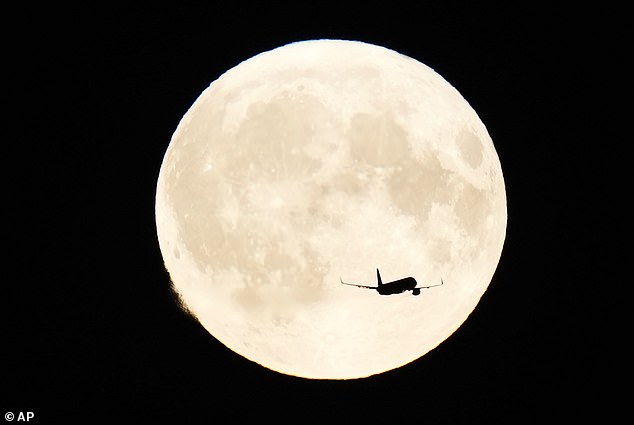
[319, 160]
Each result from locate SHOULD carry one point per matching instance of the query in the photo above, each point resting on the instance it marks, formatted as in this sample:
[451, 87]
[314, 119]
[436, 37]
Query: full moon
[322, 160]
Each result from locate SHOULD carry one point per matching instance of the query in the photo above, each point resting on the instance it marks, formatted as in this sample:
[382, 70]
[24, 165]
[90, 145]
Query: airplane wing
[431, 286]
[358, 286]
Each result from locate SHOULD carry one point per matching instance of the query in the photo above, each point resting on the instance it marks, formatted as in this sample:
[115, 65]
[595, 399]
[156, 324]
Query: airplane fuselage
[397, 286]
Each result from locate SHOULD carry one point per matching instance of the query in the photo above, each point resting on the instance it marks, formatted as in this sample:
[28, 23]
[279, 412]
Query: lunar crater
[470, 148]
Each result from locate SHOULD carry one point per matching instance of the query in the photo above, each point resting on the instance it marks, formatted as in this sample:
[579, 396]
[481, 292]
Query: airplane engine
[416, 291]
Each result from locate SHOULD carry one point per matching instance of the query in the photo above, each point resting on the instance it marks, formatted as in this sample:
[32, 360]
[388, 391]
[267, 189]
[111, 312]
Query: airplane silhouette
[394, 287]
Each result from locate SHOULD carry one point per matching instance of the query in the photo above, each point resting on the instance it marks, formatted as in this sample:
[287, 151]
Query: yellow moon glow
[323, 159]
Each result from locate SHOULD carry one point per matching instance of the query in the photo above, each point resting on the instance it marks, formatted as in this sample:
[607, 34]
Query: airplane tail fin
[378, 277]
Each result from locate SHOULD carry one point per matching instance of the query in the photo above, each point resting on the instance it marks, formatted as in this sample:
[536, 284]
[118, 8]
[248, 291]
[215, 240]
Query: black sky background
[92, 332]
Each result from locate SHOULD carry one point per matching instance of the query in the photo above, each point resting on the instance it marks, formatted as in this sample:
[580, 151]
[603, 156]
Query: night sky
[92, 331]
